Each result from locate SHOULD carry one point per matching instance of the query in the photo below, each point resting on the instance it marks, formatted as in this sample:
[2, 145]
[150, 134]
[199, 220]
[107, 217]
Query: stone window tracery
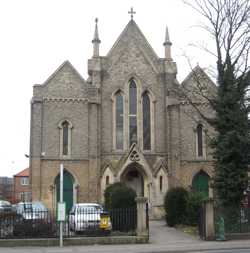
[133, 117]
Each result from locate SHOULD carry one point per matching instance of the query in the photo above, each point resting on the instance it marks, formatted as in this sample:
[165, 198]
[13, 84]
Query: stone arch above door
[135, 155]
[134, 177]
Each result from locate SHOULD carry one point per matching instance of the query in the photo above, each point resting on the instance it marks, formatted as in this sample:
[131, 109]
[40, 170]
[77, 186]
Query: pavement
[162, 239]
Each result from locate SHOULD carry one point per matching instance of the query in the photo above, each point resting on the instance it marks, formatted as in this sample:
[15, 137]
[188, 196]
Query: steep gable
[132, 35]
[65, 82]
[198, 85]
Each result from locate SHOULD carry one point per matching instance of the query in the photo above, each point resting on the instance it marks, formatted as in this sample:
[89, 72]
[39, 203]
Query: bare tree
[228, 23]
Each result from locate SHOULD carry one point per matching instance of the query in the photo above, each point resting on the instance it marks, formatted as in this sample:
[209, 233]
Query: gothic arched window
[160, 183]
[146, 121]
[132, 112]
[65, 127]
[199, 140]
[119, 120]
[107, 180]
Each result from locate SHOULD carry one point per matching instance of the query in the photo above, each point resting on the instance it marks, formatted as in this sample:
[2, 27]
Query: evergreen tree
[227, 21]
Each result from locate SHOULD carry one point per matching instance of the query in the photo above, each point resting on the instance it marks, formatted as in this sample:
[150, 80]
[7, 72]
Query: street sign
[61, 211]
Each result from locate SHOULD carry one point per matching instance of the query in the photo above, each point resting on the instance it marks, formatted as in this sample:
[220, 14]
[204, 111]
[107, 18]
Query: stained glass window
[132, 112]
[146, 122]
[119, 121]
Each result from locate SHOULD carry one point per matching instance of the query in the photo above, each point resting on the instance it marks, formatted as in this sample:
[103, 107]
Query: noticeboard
[61, 211]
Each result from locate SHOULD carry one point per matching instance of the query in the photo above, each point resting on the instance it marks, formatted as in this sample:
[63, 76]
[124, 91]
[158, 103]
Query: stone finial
[167, 44]
[96, 41]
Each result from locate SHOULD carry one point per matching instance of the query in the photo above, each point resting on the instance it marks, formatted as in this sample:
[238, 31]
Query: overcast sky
[37, 36]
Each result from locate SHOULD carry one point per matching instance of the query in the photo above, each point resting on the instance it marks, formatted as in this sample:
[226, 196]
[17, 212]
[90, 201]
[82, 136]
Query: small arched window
[107, 180]
[199, 131]
[119, 120]
[65, 127]
[65, 131]
[160, 183]
[132, 112]
[146, 121]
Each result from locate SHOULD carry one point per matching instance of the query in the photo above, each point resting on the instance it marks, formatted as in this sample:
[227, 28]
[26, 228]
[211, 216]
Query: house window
[199, 140]
[132, 112]
[119, 121]
[146, 122]
[25, 196]
[24, 181]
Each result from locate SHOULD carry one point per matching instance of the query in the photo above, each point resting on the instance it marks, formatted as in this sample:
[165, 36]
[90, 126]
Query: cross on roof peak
[131, 12]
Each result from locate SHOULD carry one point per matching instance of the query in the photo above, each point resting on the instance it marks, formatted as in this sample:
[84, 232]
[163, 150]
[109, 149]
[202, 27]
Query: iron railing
[81, 223]
[235, 220]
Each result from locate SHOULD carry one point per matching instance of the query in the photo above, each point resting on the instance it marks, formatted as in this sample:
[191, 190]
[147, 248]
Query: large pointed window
[119, 121]
[200, 140]
[146, 122]
[132, 112]
[65, 127]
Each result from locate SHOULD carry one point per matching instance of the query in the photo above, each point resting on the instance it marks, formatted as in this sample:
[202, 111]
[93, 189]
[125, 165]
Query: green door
[67, 190]
[200, 183]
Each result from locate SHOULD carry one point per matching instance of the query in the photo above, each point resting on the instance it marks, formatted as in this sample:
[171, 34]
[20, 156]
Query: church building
[124, 122]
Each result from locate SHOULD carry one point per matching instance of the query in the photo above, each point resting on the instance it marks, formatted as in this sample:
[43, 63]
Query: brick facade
[21, 186]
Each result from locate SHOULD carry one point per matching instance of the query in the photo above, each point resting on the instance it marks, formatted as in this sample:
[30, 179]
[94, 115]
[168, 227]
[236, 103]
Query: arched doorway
[133, 177]
[68, 182]
[200, 183]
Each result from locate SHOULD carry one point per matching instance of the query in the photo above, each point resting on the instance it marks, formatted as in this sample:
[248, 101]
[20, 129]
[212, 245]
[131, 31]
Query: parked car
[5, 206]
[32, 210]
[89, 217]
[32, 218]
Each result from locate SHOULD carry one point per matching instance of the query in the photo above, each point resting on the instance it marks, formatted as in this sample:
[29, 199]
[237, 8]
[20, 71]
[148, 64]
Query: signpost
[61, 207]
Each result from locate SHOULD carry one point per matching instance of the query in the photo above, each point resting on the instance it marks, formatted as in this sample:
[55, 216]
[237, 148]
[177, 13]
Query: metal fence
[235, 220]
[81, 223]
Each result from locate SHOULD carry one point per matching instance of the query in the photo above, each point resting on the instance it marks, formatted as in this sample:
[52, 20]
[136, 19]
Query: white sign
[61, 211]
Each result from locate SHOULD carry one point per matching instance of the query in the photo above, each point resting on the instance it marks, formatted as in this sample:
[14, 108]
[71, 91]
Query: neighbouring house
[21, 186]
[6, 189]
[123, 123]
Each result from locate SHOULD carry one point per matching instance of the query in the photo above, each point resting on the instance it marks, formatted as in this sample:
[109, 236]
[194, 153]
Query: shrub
[118, 195]
[195, 200]
[175, 203]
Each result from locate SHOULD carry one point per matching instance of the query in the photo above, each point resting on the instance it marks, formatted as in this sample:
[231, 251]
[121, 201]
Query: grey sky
[38, 35]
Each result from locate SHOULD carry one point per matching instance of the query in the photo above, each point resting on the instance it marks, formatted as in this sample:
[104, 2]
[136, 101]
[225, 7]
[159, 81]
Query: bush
[175, 204]
[195, 200]
[118, 195]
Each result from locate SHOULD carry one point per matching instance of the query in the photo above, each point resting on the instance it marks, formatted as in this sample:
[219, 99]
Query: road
[98, 249]
[222, 251]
